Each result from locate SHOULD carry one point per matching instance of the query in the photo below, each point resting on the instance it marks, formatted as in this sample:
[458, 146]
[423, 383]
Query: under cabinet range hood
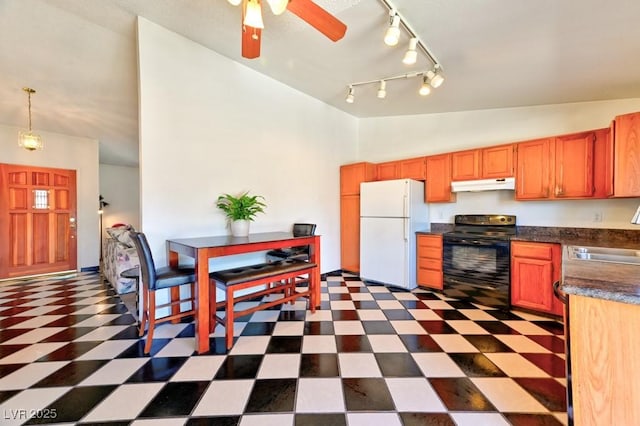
[484, 185]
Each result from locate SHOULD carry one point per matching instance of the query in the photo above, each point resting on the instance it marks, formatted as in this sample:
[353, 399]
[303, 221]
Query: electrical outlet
[597, 217]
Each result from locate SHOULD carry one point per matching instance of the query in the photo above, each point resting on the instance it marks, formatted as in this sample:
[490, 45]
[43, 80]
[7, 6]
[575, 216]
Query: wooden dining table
[201, 249]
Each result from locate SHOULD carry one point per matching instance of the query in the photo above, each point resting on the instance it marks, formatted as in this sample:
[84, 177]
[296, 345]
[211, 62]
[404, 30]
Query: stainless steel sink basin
[604, 254]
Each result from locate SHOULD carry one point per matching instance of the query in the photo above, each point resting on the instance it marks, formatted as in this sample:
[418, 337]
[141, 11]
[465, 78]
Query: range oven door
[478, 270]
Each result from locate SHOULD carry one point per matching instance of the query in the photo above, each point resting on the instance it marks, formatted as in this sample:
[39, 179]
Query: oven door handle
[469, 242]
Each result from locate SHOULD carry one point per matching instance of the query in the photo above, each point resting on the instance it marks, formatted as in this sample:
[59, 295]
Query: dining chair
[299, 252]
[154, 279]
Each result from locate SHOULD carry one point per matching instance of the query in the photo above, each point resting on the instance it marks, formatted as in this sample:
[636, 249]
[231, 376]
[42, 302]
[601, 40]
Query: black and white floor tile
[372, 355]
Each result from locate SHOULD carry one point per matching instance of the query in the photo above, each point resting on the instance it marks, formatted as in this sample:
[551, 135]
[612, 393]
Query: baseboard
[90, 269]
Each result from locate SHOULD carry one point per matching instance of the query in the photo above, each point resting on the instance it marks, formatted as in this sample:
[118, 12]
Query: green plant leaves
[242, 207]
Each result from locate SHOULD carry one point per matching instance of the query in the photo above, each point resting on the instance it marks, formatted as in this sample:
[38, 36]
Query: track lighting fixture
[350, 95]
[430, 78]
[392, 35]
[435, 77]
[382, 91]
[253, 15]
[425, 88]
[411, 55]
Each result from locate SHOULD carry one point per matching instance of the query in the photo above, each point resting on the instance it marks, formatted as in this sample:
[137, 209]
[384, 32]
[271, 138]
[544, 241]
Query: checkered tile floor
[69, 354]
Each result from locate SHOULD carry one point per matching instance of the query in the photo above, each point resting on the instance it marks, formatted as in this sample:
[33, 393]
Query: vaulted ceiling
[80, 56]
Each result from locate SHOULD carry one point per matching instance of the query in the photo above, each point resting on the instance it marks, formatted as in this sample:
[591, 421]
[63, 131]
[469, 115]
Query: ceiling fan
[306, 10]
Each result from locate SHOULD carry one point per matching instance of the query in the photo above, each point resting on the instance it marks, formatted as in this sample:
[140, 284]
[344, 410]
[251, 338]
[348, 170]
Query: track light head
[425, 88]
[382, 91]
[350, 95]
[278, 6]
[435, 77]
[235, 2]
[411, 55]
[392, 35]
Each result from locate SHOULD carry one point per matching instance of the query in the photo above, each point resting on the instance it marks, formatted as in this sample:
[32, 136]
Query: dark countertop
[603, 280]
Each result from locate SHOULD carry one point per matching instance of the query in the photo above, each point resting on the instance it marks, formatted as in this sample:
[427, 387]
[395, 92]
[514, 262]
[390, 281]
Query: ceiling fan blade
[251, 37]
[318, 18]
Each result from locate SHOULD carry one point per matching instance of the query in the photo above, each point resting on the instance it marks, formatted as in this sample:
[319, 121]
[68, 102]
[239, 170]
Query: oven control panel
[485, 219]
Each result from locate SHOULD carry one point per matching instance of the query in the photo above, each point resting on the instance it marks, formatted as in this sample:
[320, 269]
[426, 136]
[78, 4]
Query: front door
[37, 220]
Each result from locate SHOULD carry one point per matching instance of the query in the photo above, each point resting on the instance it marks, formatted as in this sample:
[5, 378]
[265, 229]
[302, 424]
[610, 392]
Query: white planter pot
[240, 228]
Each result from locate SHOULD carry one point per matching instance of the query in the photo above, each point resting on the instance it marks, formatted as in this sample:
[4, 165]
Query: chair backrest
[147, 265]
[304, 229]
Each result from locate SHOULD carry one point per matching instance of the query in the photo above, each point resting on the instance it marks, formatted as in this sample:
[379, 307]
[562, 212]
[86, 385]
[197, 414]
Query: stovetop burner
[484, 226]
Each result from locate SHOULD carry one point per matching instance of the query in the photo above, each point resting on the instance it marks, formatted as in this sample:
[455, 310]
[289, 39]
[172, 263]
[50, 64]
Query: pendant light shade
[278, 6]
[27, 139]
[253, 15]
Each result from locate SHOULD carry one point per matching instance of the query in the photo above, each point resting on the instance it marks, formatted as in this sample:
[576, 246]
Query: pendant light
[253, 15]
[29, 140]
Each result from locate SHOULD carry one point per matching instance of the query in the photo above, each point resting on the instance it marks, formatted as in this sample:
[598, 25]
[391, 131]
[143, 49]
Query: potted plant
[240, 211]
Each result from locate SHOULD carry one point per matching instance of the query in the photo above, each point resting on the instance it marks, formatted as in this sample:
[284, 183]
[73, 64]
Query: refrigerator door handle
[405, 229]
[405, 206]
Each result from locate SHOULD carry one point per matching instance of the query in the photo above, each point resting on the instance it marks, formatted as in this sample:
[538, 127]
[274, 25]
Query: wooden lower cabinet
[350, 233]
[534, 269]
[603, 347]
[429, 261]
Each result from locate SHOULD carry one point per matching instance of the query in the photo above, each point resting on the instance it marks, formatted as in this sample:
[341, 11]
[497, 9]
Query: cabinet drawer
[433, 264]
[430, 253]
[430, 278]
[541, 251]
[429, 241]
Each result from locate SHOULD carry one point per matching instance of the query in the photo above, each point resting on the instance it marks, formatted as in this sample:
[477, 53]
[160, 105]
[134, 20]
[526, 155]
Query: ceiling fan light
[235, 2]
[253, 15]
[392, 35]
[350, 95]
[278, 6]
[411, 55]
[382, 91]
[425, 88]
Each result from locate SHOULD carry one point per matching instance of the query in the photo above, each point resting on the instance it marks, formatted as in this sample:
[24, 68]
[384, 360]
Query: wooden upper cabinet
[487, 163]
[414, 168]
[533, 169]
[603, 163]
[574, 165]
[497, 161]
[388, 170]
[438, 183]
[465, 165]
[626, 144]
[351, 175]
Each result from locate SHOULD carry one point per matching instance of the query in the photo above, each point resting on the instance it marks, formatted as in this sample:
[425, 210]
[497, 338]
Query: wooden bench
[279, 277]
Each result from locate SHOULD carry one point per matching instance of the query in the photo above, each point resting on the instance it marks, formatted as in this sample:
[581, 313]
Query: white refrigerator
[391, 212]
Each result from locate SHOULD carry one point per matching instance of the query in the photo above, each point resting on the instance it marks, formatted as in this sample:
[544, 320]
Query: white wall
[120, 187]
[390, 138]
[65, 152]
[209, 125]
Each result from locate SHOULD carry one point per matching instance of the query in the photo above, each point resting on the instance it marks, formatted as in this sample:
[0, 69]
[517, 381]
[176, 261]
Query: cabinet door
[626, 147]
[603, 163]
[532, 277]
[497, 162]
[350, 233]
[574, 165]
[414, 168]
[438, 184]
[533, 170]
[388, 170]
[352, 175]
[465, 165]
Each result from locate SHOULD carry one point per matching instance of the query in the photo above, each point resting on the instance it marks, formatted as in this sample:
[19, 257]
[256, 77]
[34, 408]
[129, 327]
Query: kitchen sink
[604, 254]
